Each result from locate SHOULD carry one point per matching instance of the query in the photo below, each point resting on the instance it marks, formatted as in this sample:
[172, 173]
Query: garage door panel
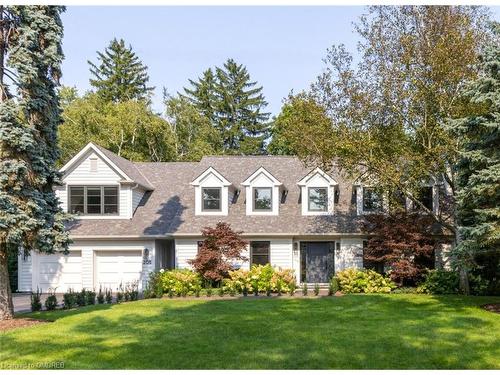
[59, 271]
[117, 267]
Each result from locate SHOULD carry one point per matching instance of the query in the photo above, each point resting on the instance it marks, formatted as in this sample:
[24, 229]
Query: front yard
[354, 331]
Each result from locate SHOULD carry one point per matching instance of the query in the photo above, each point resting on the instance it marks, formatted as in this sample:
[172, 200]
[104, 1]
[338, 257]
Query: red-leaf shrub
[220, 249]
[403, 242]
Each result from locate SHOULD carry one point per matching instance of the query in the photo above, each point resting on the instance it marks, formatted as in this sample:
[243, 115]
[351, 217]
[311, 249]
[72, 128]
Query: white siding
[125, 208]
[185, 249]
[350, 255]
[24, 272]
[137, 195]
[82, 172]
[281, 253]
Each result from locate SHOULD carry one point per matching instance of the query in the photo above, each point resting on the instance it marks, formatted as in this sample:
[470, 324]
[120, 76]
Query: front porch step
[312, 285]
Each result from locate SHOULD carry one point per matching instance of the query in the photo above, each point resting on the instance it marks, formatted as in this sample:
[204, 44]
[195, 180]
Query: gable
[211, 177]
[92, 168]
[317, 178]
[261, 177]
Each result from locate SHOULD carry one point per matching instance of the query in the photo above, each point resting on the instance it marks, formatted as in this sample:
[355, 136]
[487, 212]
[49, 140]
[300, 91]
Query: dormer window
[211, 199]
[372, 200]
[262, 199]
[211, 191]
[262, 192]
[318, 199]
[317, 191]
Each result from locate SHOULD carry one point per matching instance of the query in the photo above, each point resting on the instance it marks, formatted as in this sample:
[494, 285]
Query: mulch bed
[20, 323]
[492, 307]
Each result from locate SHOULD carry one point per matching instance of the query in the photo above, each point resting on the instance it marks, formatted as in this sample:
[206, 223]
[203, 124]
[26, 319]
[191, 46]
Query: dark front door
[317, 261]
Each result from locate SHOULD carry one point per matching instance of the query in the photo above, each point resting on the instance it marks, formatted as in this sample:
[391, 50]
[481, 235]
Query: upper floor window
[318, 199]
[211, 199]
[262, 199]
[372, 199]
[93, 200]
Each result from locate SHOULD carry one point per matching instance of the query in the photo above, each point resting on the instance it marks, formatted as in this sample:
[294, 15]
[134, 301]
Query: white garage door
[115, 267]
[60, 271]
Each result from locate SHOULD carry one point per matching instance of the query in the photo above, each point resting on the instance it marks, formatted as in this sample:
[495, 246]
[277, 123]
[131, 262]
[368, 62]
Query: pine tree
[239, 110]
[235, 106]
[202, 94]
[30, 60]
[120, 75]
[478, 177]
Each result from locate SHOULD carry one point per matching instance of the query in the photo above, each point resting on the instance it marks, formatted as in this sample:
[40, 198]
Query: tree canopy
[30, 58]
[234, 105]
[119, 75]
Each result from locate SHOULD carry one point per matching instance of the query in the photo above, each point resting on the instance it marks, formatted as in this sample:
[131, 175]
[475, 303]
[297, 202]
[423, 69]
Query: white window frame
[262, 178]
[317, 179]
[211, 179]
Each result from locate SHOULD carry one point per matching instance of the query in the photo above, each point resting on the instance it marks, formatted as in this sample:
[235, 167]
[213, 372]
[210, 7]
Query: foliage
[30, 216]
[316, 289]
[194, 135]
[260, 279]
[478, 166]
[155, 285]
[234, 105]
[120, 75]
[70, 299]
[333, 286]
[90, 297]
[108, 296]
[209, 291]
[363, 281]
[219, 250]
[81, 297]
[405, 290]
[12, 266]
[179, 282]
[100, 296]
[51, 301]
[387, 114]
[36, 304]
[131, 291]
[128, 128]
[440, 282]
[401, 241]
[301, 120]
[304, 289]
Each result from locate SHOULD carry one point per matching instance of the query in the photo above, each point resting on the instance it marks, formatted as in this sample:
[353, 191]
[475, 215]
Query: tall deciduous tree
[194, 135]
[235, 106]
[478, 166]
[30, 61]
[129, 128]
[119, 74]
[388, 113]
[220, 248]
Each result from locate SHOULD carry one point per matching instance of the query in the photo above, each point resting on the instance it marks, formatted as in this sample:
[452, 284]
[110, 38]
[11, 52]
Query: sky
[282, 47]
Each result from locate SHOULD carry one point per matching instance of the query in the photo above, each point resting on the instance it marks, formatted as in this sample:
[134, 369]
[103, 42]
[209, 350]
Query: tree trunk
[6, 306]
[464, 280]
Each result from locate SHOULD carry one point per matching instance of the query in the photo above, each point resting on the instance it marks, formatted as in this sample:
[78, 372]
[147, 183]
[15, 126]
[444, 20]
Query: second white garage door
[117, 267]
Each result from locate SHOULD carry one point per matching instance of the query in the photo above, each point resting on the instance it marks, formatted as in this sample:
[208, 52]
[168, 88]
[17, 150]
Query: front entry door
[317, 261]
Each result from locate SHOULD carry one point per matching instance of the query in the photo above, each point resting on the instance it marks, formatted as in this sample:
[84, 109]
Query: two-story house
[134, 218]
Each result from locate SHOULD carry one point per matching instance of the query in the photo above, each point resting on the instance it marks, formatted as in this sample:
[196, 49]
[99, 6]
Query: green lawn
[357, 331]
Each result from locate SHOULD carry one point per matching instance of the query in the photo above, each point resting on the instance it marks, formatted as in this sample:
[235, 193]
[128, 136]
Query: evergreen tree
[202, 94]
[30, 60]
[235, 106]
[478, 177]
[240, 116]
[120, 75]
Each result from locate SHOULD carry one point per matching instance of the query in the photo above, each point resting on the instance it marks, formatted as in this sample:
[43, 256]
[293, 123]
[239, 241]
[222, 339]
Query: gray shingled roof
[169, 208]
[128, 167]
